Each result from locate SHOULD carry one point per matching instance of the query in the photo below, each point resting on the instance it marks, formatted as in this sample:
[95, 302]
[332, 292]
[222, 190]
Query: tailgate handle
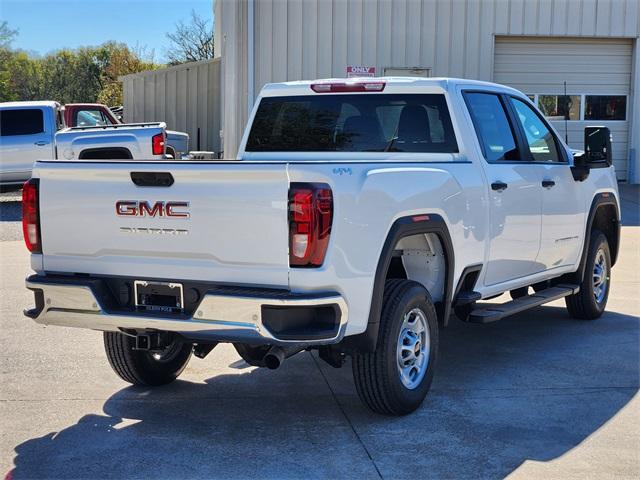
[152, 179]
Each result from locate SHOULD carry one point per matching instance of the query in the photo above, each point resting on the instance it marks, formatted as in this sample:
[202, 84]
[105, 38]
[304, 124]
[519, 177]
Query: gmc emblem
[135, 208]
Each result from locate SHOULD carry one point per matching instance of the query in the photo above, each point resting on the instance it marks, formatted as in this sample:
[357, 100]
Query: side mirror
[597, 147]
[580, 167]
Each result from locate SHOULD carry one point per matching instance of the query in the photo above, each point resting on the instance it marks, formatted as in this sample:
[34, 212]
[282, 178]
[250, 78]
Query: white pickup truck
[358, 216]
[30, 131]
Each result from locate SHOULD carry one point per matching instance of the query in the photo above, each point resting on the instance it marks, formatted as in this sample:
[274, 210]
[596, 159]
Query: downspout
[250, 56]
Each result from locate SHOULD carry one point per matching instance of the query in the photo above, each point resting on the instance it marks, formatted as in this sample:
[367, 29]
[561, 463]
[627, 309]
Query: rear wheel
[395, 379]
[143, 367]
[589, 303]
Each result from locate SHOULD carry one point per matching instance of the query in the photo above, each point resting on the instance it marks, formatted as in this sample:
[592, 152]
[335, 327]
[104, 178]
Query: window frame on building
[583, 104]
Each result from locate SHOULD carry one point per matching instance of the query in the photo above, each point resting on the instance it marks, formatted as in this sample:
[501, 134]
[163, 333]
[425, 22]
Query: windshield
[353, 123]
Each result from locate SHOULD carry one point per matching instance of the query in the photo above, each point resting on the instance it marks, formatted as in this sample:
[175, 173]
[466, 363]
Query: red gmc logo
[135, 208]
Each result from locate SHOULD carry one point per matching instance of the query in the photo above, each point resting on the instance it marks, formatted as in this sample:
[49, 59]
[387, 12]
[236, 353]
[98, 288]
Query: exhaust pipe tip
[277, 355]
[274, 358]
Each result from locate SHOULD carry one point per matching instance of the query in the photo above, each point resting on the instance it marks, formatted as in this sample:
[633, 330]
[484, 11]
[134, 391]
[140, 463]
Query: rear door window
[353, 123]
[24, 121]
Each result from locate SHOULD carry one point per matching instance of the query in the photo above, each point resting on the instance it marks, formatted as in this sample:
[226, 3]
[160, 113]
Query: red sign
[360, 71]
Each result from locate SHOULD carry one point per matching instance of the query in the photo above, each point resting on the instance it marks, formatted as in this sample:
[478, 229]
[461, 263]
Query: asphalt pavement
[538, 395]
[10, 216]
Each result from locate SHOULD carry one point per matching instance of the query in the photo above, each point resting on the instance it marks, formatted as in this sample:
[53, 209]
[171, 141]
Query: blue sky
[47, 25]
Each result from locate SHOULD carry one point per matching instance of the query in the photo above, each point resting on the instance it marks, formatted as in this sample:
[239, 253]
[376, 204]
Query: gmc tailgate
[221, 221]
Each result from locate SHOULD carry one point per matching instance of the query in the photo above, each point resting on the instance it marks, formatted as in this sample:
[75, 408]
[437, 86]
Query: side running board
[493, 313]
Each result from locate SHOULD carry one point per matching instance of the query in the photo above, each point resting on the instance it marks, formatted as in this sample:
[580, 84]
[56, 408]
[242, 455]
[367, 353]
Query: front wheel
[143, 367]
[395, 379]
[589, 303]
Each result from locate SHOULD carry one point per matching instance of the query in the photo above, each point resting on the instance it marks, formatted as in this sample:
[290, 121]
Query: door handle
[499, 186]
[548, 183]
[41, 143]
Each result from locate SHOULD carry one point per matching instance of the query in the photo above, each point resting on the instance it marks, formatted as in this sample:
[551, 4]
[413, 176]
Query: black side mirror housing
[597, 147]
[597, 153]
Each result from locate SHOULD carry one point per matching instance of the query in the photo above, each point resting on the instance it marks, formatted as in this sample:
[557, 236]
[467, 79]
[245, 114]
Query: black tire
[583, 305]
[519, 292]
[141, 367]
[376, 374]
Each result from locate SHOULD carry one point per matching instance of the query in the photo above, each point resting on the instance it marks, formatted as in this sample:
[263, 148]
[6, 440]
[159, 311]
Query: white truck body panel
[237, 230]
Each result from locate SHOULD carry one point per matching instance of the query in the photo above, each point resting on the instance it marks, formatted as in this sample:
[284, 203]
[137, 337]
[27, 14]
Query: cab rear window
[353, 123]
[21, 122]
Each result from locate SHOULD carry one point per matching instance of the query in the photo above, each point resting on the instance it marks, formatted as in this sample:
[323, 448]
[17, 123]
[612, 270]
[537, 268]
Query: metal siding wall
[307, 39]
[186, 98]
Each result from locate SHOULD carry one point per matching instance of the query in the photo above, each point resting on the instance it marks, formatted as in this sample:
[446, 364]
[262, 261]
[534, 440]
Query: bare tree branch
[191, 42]
[7, 35]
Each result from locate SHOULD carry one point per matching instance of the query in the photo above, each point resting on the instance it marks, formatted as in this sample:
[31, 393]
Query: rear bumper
[231, 315]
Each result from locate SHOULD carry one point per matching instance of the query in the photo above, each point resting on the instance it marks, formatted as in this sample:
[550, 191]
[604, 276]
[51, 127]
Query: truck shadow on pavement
[527, 388]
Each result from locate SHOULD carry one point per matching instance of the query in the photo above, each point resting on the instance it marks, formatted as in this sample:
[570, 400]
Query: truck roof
[85, 105]
[38, 103]
[418, 83]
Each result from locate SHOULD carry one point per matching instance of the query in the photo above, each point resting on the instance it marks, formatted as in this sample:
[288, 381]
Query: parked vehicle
[113, 142]
[36, 130]
[26, 134]
[96, 114]
[358, 217]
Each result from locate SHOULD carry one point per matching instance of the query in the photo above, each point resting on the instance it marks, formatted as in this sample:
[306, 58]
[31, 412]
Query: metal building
[186, 97]
[533, 45]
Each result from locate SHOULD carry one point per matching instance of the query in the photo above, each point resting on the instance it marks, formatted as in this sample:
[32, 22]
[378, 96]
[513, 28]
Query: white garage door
[598, 77]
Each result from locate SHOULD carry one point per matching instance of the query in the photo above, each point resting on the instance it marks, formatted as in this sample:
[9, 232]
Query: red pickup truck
[96, 114]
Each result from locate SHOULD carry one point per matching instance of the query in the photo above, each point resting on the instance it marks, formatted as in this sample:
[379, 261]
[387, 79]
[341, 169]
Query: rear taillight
[310, 217]
[157, 144]
[31, 216]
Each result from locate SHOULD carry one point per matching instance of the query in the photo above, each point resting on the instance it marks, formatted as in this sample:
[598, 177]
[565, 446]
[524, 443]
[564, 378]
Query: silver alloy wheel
[414, 345]
[600, 276]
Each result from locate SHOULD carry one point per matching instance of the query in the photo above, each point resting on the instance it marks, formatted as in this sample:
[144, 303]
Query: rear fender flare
[405, 227]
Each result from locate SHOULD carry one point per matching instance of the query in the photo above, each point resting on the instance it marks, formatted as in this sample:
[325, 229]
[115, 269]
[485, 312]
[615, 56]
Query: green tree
[119, 60]
[25, 77]
[86, 74]
[7, 35]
